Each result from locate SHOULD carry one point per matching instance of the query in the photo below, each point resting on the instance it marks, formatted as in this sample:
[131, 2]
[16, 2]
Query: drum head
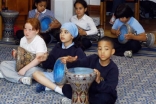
[59, 71]
[80, 70]
[45, 22]
[123, 31]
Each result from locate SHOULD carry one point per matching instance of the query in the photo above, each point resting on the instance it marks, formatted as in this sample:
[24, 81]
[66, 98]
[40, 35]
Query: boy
[103, 89]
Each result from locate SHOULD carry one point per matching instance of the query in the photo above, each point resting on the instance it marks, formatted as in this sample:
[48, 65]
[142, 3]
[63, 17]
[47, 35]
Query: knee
[36, 74]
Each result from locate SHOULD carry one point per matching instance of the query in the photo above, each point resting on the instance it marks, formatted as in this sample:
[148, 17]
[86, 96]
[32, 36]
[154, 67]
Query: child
[68, 32]
[124, 15]
[103, 89]
[85, 23]
[31, 42]
[39, 13]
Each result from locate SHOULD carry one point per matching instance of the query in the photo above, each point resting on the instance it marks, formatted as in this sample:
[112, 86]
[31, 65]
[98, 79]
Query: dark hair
[107, 39]
[84, 4]
[123, 10]
[38, 1]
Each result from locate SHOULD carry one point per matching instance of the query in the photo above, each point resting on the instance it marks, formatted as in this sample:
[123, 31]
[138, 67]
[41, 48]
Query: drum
[9, 17]
[124, 29]
[80, 79]
[23, 58]
[59, 72]
[97, 36]
[45, 22]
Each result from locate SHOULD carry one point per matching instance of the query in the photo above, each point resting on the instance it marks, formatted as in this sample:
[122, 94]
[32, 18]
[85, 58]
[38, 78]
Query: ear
[85, 9]
[37, 31]
[113, 51]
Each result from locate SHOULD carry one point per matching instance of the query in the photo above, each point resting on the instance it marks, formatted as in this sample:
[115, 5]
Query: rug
[137, 81]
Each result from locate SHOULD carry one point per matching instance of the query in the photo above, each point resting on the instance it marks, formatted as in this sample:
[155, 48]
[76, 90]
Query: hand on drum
[68, 59]
[43, 57]
[55, 24]
[82, 32]
[117, 32]
[98, 76]
[14, 53]
[129, 36]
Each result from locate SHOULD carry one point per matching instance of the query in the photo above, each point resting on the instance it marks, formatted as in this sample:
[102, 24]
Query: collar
[42, 12]
[63, 47]
[84, 17]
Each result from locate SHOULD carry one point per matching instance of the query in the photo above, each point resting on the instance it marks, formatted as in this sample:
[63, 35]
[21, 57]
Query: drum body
[80, 80]
[97, 36]
[23, 58]
[45, 22]
[59, 72]
[9, 17]
[124, 29]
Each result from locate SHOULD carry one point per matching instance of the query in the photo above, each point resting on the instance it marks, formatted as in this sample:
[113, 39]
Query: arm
[55, 24]
[139, 37]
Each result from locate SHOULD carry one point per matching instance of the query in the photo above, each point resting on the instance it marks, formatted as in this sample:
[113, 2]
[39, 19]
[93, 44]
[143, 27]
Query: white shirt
[36, 46]
[85, 23]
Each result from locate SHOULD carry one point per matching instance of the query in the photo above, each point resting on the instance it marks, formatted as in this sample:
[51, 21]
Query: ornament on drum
[125, 29]
[45, 22]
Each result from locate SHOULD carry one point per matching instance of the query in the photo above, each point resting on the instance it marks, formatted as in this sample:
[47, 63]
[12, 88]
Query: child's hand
[117, 32]
[37, 15]
[98, 78]
[14, 53]
[55, 24]
[42, 57]
[68, 59]
[22, 72]
[129, 36]
[82, 32]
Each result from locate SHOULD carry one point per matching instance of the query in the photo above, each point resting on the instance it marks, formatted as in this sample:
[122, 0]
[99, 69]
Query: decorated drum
[23, 58]
[124, 29]
[59, 72]
[45, 22]
[80, 79]
[9, 17]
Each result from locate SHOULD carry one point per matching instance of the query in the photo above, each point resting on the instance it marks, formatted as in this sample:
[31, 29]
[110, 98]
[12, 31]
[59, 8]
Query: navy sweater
[58, 52]
[109, 73]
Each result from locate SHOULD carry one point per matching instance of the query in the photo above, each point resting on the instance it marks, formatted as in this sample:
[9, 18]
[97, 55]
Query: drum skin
[23, 58]
[59, 72]
[45, 22]
[124, 29]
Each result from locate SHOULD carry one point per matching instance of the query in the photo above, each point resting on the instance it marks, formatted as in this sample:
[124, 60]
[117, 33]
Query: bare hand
[22, 72]
[129, 36]
[98, 78]
[82, 32]
[117, 32]
[42, 57]
[37, 15]
[14, 53]
[55, 24]
[68, 59]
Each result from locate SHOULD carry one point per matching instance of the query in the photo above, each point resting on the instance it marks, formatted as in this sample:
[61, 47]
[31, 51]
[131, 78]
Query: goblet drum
[80, 79]
[45, 22]
[23, 58]
[9, 17]
[124, 29]
[59, 72]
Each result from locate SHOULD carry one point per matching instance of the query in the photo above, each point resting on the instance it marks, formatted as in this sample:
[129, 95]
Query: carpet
[136, 81]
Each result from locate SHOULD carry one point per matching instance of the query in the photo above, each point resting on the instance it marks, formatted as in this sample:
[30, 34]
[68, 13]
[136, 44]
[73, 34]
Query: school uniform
[104, 92]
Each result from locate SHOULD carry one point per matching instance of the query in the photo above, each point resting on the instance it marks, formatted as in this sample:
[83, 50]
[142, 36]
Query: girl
[31, 42]
[39, 13]
[124, 15]
[68, 32]
[85, 23]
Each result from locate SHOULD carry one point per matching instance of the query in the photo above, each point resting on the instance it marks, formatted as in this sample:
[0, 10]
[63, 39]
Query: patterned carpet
[137, 81]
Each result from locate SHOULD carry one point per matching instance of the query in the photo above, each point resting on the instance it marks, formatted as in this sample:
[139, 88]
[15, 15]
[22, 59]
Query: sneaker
[1, 75]
[66, 101]
[150, 40]
[27, 80]
[128, 54]
[40, 88]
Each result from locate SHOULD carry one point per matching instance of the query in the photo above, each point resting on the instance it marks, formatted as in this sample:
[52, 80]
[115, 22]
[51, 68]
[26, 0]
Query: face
[66, 37]
[80, 10]
[123, 19]
[41, 6]
[29, 32]
[105, 50]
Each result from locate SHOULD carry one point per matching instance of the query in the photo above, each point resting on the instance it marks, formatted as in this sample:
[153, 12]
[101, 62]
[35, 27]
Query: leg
[86, 43]
[67, 91]
[7, 69]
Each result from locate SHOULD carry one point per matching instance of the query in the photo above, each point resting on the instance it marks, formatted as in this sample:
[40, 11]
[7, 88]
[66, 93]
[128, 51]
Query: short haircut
[123, 10]
[107, 39]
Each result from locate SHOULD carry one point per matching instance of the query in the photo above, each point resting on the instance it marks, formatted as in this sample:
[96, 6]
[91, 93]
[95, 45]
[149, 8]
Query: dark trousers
[116, 3]
[133, 45]
[46, 36]
[99, 98]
